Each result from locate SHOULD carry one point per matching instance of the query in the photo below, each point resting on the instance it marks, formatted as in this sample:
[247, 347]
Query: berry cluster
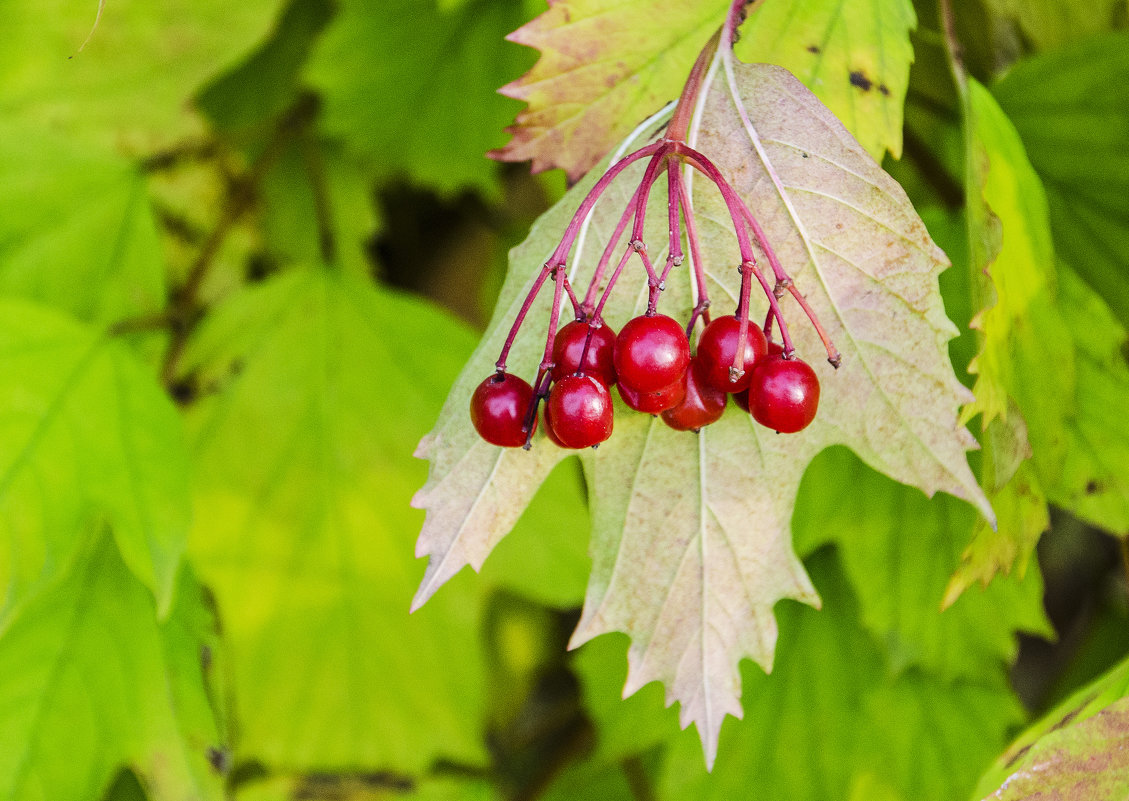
[650, 360]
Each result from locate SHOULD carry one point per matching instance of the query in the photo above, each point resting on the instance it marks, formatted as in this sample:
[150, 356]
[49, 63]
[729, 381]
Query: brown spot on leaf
[814, 49]
[1092, 487]
[884, 89]
[861, 81]
[1017, 756]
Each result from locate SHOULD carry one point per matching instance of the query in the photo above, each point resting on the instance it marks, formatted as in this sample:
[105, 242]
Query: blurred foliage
[242, 247]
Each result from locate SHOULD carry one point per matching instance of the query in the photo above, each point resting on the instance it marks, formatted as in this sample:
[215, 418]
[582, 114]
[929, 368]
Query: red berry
[651, 353]
[717, 350]
[653, 402]
[702, 405]
[742, 400]
[569, 345]
[784, 394]
[581, 410]
[498, 409]
[552, 435]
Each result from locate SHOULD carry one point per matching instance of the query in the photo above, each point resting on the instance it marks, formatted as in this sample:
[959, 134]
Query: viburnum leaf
[98, 258]
[130, 84]
[1077, 751]
[432, 109]
[1066, 108]
[606, 65]
[87, 437]
[94, 682]
[855, 57]
[866, 730]
[691, 534]
[302, 526]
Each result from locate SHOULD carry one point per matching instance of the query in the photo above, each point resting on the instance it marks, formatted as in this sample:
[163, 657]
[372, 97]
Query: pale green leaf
[129, 86]
[321, 385]
[77, 231]
[92, 682]
[1067, 108]
[1078, 752]
[413, 89]
[87, 436]
[854, 56]
[697, 527]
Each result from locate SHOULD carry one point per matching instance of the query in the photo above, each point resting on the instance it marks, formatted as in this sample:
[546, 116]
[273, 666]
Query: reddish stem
[684, 111]
[701, 308]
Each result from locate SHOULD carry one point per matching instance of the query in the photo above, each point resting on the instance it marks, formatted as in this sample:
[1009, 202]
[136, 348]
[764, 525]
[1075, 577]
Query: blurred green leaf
[545, 557]
[129, 86]
[266, 82]
[854, 56]
[1051, 24]
[1068, 108]
[77, 231]
[899, 548]
[321, 385]
[93, 682]
[832, 717]
[1080, 750]
[413, 89]
[87, 436]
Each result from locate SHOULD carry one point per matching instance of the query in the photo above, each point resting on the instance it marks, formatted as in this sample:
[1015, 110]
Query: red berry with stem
[498, 408]
[717, 350]
[569, 346]
[742, 398]
[552, 435]
[581, 411]
[702, 404]
[653, 402]
[784, 394]
[651, 353]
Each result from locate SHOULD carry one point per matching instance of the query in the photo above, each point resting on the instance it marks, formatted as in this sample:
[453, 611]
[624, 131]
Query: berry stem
[593, 287]
[834, 358]
[701, 308]
[684, 111]
[674, 256]
[520, 318]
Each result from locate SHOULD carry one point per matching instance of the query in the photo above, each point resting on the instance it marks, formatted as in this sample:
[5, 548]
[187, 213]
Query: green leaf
[854, 56]
[1067, 109]
[87, 437]
[591, 85]
[129, 85]
[671, 511]
[266, 82]
[77, 231]
[302, 526]
[92, 682]
[833, 718]
[1051, 24]
[432, 110]
[1080, 750]
[899, 548]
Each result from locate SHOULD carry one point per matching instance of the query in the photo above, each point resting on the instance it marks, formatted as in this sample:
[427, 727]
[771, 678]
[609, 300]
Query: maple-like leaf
[605, 65]
[691, 534]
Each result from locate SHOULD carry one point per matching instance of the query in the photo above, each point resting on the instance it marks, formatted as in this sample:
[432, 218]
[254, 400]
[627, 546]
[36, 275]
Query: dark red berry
[742, 398]
[581, 410]
[718, 348]
[703, 404]
[552, 435]
[569, 345]
[498, 408]
[784, 394]
[653, 402]
[651, 353]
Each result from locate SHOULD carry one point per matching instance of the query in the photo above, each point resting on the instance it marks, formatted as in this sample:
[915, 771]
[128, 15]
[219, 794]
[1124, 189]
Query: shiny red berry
[498, 408]
[718, 348]
[651, 353]
[569, 345]
[703, 404]
[784, 394]
[742, 398]
[653, 402]
[581, 411]
[552, 435]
